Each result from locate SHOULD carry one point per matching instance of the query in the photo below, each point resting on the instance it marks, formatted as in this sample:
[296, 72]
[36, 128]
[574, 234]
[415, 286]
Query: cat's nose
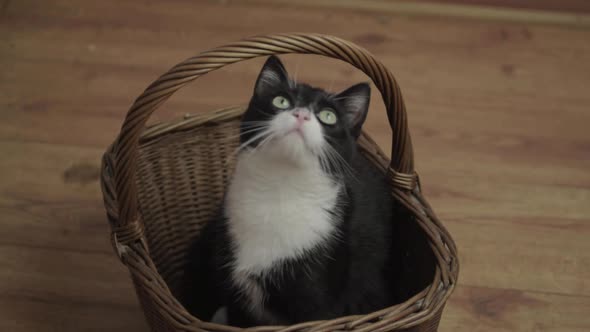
[302, 115]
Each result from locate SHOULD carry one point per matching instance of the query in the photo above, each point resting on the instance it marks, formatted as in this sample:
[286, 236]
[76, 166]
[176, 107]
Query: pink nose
[302, 115]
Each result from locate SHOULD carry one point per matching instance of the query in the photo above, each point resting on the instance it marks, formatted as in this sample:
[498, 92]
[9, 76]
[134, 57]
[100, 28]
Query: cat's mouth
[296, 140]
[296, 136]
[297, 131]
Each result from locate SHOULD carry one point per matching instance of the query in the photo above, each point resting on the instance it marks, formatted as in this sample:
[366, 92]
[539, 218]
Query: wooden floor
[499, 107]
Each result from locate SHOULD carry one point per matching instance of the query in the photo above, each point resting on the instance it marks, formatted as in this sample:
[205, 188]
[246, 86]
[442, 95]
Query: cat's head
[300, 123]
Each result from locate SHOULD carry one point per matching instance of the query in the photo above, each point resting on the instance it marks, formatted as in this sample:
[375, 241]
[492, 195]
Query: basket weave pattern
[163, 183]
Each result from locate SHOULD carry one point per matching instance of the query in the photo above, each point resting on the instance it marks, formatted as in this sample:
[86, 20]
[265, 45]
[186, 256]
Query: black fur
[355, 273]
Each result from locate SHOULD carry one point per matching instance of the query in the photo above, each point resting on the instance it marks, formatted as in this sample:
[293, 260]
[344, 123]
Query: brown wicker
[161, 185]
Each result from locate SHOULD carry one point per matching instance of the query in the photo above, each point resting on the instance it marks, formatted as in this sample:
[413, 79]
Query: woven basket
[161, 184]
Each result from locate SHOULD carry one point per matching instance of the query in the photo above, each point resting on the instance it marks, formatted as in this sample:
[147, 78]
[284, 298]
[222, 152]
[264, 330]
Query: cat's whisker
[339, 163]
[346, 167]
[259, 110]
[336, 163]
[324, 164]
[246, 131]
[253, 123]
[265, 141]
[328, 161]
[325, 159]
[248, 142]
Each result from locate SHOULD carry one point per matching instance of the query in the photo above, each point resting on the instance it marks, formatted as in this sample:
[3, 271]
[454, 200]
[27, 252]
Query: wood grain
[498, 111]
[549, 5]
[479, 10]
[481, 309]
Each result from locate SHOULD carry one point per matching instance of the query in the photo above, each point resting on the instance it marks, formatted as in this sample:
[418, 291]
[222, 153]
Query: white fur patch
[277, 204]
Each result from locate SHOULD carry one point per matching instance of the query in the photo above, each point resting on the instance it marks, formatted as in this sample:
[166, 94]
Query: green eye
[281, 102]
[327, 116]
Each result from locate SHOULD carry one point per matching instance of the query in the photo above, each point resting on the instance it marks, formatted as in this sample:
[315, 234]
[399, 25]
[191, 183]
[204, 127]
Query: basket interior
[182, 176]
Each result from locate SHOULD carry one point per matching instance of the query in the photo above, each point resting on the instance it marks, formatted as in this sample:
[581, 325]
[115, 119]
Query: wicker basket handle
[401, 167]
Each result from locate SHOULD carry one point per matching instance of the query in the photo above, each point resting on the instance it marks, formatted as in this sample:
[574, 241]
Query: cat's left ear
[273, 74]
[355, 104]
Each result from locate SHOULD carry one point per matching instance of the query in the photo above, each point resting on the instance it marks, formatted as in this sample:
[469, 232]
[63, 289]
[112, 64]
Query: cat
[306, 229]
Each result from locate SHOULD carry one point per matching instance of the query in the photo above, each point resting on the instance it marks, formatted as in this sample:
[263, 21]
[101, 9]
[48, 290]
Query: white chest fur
[277, 210]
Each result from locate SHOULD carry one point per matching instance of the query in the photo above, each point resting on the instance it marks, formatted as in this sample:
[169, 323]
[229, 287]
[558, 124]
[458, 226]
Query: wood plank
[46, 289]
[518, 225]
[22, 314]
[520, 245]
[515, 72]
[481, 309]
[47, 273]
[474, 11]
[547, 5]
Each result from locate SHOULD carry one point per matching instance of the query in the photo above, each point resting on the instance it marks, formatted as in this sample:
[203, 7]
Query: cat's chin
[293, 148]
[296, 138]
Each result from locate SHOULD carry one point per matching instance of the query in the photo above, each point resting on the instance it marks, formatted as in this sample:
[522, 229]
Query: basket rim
[421, 308]
[401, 163]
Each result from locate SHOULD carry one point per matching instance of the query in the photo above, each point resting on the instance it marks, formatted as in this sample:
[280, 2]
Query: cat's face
[300, 123]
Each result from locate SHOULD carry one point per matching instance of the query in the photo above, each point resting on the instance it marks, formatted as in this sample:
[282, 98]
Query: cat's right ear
[273, 73]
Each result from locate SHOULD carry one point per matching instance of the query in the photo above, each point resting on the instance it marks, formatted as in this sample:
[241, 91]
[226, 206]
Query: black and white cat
[306, 227]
